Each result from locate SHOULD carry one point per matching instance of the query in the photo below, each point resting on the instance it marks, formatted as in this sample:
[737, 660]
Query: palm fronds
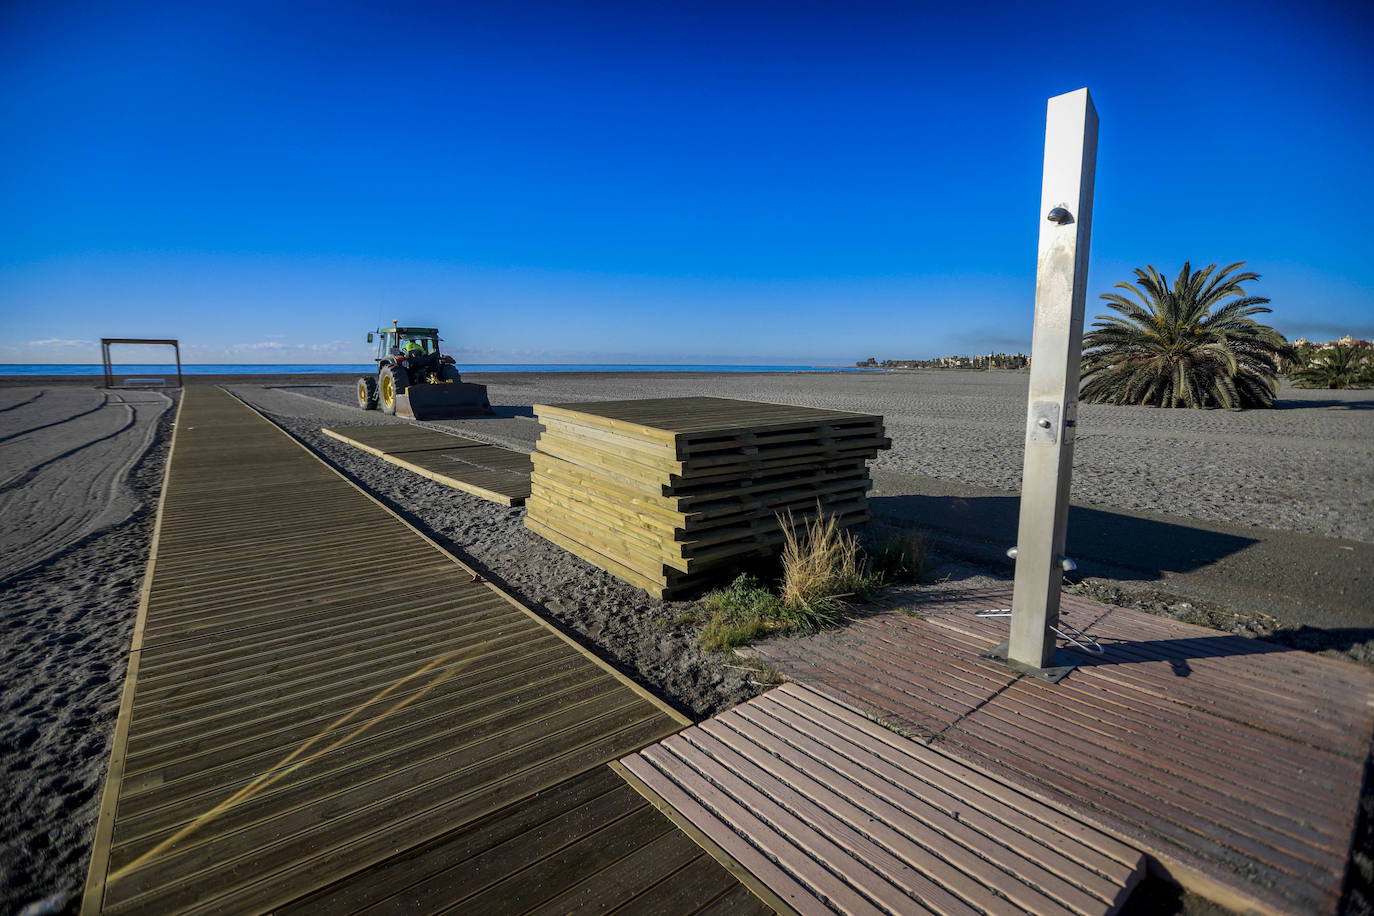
[1194, 344]
[1337, 367]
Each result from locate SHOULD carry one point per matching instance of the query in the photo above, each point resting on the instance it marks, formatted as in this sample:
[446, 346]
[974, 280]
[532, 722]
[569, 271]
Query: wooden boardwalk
[1236, 764]
[837, 814]
[324, 712]
[500, 475]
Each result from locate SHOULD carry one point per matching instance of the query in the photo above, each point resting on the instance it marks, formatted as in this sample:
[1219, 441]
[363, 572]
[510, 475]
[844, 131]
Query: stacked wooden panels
[668, 493]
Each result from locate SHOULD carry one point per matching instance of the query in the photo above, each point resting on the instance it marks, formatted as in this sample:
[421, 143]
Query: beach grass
[825, 569]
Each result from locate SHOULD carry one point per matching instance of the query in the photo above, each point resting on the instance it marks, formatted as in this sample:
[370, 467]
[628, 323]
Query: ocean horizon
[127, 369]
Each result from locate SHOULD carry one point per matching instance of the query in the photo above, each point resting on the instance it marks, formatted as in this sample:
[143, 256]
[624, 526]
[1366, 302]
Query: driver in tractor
[421, 360]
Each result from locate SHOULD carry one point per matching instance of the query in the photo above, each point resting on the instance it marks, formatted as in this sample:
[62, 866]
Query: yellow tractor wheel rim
[388, 390]
[362, 391]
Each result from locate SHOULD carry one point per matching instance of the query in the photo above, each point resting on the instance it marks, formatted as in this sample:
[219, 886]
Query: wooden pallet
[497, 474]
[670, 493]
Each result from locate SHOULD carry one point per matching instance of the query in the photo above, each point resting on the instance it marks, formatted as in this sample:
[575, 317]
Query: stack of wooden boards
[668, 493]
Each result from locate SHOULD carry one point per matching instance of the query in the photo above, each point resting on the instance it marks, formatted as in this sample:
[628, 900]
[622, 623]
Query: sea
[127, 369]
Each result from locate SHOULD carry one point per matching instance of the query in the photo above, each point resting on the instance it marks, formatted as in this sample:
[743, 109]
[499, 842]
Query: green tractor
[416, 381]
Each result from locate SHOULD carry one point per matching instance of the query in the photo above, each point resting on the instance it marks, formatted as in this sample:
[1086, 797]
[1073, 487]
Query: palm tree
[1336, 367]
[1184, 347]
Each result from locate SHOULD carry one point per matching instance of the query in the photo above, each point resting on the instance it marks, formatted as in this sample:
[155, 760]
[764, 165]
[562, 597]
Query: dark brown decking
[836, 814]
[589, 844]
[325, 712]
[497, 474]
[1235, 763]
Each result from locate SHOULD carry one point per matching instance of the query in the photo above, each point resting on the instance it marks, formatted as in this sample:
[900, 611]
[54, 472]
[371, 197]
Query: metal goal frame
[105, 343]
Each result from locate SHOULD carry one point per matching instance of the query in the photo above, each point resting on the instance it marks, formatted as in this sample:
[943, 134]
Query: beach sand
[1302, 474]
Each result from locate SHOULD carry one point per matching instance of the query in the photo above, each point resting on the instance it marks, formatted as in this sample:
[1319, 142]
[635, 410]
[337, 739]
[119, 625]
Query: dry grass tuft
[825, 566]
[822, 566]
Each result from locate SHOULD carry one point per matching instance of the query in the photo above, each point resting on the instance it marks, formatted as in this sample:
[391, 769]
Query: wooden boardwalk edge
[93, 890]
[683, 823]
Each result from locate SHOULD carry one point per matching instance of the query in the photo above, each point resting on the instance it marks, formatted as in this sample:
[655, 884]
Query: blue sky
[551, 182]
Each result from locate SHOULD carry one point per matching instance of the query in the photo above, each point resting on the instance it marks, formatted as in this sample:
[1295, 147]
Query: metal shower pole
[1066, 207]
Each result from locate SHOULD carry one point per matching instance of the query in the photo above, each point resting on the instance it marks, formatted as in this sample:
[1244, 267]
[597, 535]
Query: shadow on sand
[1300, 403]
[1143, 547]
[508, 413]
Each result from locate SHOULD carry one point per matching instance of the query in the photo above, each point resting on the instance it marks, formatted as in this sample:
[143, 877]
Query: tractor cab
[415, 380]
[397, 342]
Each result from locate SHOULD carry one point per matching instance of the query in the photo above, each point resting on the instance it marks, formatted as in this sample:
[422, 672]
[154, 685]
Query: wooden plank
[1048, 823]
[753, 452]
[900, 677]
[188, 779]
[621, 882]
[771, 902]
[885, 809]
[178, 756]
[495, 474]
[668, 418]
[455, 855]
[899, 869]
[872, 879]
[555, 878]
[759, 860]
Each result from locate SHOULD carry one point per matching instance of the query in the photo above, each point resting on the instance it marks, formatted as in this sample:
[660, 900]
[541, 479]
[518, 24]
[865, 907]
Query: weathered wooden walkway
[500, 475]
[1236, 764]
[835, 813]
[324, 712]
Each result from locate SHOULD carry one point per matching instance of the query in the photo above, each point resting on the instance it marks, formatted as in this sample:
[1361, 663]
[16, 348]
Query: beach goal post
[105, 343]
[1061, 280]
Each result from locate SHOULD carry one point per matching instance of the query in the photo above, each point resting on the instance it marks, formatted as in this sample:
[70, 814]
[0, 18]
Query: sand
[84, 475]
[78, 522]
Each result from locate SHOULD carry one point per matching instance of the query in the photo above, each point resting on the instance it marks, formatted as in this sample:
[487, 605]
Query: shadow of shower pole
[1301, 579]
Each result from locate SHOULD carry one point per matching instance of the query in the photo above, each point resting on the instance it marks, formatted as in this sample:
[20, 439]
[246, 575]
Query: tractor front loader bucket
[443, 401]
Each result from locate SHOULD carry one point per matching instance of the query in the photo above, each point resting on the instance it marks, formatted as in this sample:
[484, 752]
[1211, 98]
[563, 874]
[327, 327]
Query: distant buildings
[1346, 341]
[985, 361]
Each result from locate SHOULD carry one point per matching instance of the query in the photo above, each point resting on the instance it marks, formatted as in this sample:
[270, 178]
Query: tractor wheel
[449, 374]
[391, 381]
[367, 393]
